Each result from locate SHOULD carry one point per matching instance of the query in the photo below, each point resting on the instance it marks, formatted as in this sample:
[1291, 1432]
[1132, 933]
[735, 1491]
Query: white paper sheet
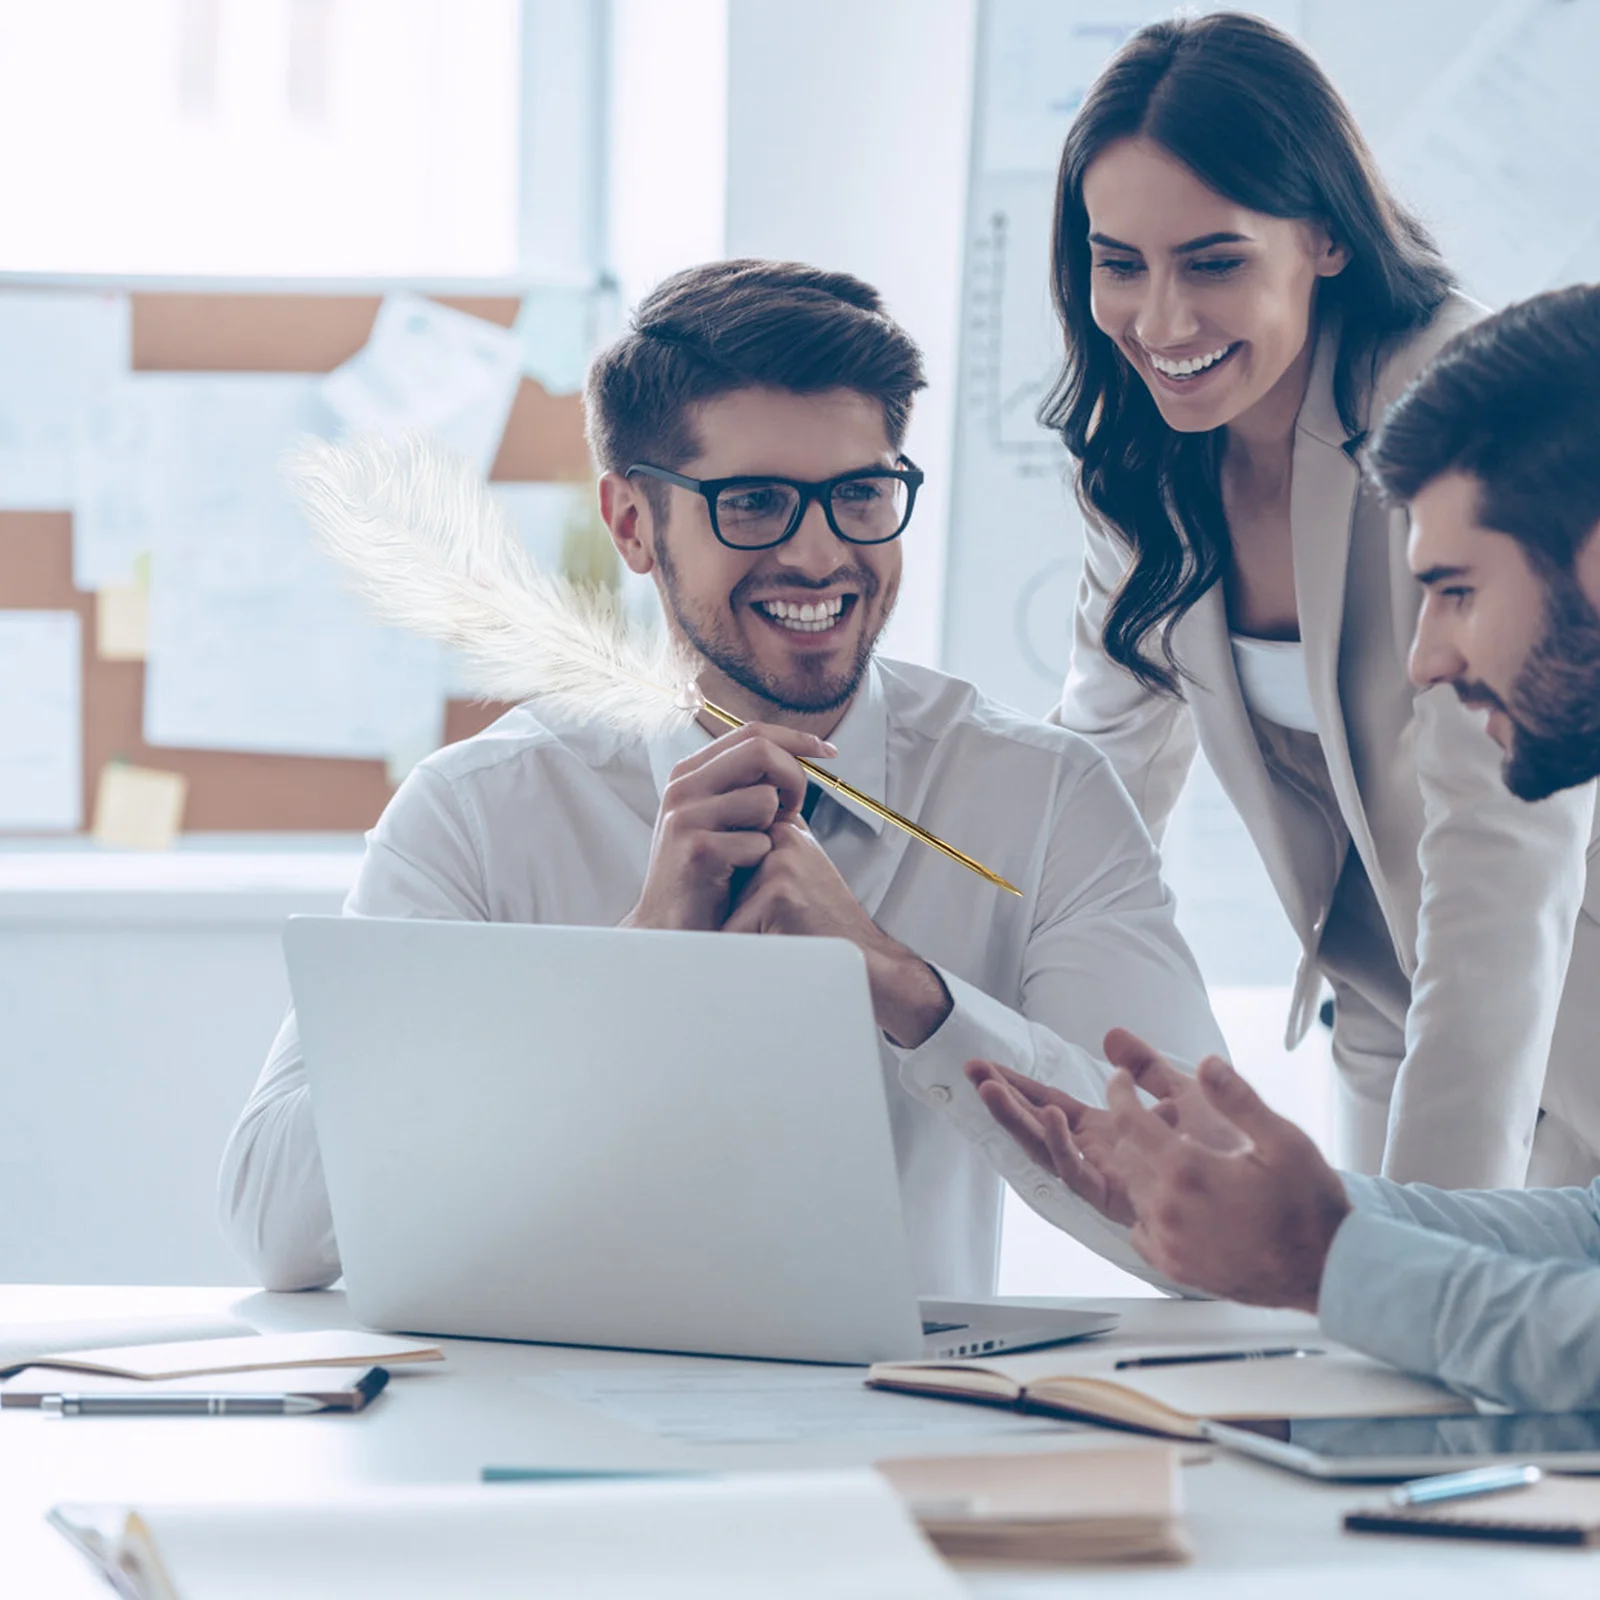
[41, 721]
[128, 466]
[58, 351]
[254, 644]
[553, 327]
[766, 1405]
[428, 368]
[779, 1536]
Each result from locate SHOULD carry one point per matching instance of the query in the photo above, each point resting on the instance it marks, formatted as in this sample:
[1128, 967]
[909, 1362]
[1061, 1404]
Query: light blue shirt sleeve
[1495, 1293]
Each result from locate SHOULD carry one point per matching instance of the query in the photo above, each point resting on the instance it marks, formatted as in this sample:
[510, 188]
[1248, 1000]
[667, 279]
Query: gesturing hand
[1252, 1224]
[717, 812]
[1076, 1141]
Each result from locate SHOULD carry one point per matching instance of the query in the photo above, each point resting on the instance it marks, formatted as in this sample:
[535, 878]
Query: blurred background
[228, 223]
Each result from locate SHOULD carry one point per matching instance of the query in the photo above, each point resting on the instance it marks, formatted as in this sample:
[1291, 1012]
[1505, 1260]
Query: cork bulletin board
[214, 332]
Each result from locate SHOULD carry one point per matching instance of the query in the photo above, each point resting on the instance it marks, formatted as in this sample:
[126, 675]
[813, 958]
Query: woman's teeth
[806, 618]
[1187, 369]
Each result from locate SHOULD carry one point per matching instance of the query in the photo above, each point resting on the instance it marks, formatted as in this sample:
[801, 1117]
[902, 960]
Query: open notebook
[1061, 1506]
[779, 1535]
[23, 1342]
[1086, 1383]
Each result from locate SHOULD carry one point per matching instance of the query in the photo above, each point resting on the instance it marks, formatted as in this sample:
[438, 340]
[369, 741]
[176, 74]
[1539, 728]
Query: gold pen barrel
[878, 809]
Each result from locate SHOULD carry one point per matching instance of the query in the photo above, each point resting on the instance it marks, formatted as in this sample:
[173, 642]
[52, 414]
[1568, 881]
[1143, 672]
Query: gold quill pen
[432, 551]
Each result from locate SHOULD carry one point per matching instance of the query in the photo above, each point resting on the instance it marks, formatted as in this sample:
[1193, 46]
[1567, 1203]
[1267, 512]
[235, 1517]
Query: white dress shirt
[1495, 1292]
[532, 822]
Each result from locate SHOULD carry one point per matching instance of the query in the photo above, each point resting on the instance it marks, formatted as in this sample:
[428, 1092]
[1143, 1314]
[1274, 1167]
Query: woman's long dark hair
[1255, 119]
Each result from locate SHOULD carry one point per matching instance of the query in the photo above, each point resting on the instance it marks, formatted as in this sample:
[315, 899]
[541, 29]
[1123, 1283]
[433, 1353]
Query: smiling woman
[1242, 298]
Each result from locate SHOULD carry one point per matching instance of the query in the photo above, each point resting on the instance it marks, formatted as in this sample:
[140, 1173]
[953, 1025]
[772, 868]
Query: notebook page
[253, 1352]
[1337, 1384]
[784, 1537]
[22, 1342]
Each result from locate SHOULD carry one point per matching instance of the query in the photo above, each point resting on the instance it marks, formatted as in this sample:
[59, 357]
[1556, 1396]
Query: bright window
[337, 138]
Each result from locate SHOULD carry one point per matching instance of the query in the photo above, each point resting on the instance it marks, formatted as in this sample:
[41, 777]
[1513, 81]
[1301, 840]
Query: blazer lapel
[1322, 502]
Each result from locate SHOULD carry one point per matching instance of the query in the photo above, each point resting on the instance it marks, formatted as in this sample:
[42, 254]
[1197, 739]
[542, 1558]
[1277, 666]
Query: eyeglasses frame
[909, 473]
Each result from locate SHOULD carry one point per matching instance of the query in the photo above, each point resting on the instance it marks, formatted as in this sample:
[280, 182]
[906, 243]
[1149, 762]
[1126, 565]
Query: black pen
[1196, 1357]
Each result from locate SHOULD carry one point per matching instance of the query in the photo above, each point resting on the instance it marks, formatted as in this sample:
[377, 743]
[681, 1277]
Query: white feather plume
[433, 552]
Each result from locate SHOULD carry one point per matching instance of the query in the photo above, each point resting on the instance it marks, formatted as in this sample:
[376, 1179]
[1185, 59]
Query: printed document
[41, 721]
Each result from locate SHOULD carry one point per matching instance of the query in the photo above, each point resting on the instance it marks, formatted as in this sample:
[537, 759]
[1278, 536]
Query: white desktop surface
[1256, 1531]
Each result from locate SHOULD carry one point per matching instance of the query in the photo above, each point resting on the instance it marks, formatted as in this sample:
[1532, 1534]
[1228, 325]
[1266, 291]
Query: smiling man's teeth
[1187, 369]
[807, 618]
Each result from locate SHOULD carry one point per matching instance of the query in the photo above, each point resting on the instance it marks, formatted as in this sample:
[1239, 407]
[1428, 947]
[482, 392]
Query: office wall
[138, 996]
[847, 147]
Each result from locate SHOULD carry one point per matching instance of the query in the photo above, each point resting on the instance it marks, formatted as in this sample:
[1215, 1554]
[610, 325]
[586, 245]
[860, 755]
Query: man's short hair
[1514, 402]
[731, 325]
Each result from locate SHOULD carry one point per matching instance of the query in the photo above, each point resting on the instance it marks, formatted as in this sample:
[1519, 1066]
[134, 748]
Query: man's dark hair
[731, 325]
[1514, 402]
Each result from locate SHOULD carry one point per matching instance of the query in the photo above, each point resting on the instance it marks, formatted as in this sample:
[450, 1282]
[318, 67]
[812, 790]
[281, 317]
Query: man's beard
[1554, 705]
[810, 688]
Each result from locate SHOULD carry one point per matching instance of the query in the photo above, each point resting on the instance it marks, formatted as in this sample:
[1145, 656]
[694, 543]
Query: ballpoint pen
[179, 1405]
[1196, 1357]
[1461, 1485]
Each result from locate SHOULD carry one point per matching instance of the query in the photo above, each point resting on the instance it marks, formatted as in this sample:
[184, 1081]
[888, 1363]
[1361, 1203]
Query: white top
[535, 823]
[1273, 681]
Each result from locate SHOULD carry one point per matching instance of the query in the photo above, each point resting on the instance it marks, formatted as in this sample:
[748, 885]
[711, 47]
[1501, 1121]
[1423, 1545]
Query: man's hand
[717, 812]
[1076, 1141]
[797, 890]
[1254, 1224]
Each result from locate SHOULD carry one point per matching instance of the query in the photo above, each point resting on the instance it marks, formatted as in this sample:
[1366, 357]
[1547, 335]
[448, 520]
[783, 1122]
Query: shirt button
[940, 1094]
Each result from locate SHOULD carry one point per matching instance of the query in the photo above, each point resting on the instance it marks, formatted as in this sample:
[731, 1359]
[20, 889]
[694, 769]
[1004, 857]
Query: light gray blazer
[1484, 896]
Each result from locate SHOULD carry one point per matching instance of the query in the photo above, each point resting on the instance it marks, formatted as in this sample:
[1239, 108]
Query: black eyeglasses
[869, 506]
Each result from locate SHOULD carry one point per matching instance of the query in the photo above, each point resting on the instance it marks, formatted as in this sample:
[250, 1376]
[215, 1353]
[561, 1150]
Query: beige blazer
[1484, 897]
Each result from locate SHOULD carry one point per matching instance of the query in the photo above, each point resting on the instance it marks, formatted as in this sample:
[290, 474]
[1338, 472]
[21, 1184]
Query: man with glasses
[748, 429]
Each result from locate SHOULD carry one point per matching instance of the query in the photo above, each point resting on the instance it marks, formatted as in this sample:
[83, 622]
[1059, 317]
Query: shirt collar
[862, 740]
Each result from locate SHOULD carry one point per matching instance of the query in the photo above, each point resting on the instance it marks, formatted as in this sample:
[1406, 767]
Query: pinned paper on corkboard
[138, 808]
[122, 617]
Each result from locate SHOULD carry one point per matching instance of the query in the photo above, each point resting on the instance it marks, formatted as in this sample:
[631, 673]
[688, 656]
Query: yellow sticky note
[122, 621]
[138, 808]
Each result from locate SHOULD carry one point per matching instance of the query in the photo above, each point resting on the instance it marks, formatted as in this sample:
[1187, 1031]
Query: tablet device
[1380, 1449]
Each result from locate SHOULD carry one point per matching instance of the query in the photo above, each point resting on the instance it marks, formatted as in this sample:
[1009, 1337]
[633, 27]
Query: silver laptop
[658, 1141]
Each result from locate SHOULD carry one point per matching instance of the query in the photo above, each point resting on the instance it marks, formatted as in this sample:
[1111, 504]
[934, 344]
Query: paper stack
[1065, 1506]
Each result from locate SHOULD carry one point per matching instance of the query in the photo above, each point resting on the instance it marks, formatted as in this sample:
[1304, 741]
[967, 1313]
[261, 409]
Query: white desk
[1256, 1531]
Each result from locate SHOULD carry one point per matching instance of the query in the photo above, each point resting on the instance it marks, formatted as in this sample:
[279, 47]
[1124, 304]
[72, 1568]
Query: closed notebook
[1563, 1511]
[335, 1347]
[1173, 1400]
[782, 1536]
[1056, 1507]
[333, 1388]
